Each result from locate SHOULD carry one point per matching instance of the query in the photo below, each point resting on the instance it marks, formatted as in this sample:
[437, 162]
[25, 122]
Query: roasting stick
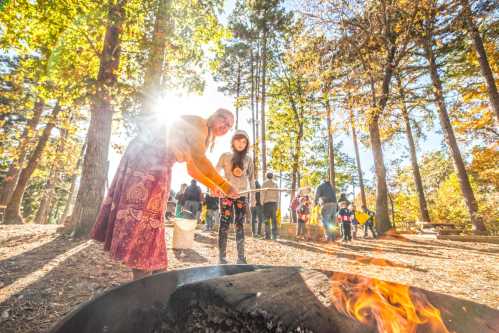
[265, 189]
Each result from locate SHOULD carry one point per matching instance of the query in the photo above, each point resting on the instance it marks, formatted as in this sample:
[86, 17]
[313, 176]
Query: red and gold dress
[131, 219]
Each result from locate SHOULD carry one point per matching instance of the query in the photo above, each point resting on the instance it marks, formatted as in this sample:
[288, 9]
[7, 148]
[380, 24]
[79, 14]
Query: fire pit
[245, 298]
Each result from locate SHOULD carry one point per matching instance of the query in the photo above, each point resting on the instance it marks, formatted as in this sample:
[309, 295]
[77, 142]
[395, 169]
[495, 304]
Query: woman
[238, 169]
[131, 218]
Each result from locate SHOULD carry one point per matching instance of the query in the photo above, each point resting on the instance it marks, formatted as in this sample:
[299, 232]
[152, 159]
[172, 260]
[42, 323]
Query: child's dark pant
[300, 230]
[232, 210]
[369, 226]
[347, 233]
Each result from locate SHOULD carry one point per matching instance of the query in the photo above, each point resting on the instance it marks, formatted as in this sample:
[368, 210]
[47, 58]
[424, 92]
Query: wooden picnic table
[440, 228]
[436, 224]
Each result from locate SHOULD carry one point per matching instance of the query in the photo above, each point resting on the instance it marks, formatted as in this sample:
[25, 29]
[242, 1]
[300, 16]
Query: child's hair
[239, 156]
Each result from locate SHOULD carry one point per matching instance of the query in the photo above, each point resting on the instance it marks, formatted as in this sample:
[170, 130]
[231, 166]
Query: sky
[212, 99]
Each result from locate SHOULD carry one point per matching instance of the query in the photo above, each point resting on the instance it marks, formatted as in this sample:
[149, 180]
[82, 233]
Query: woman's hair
[238, 157]
[220, 113]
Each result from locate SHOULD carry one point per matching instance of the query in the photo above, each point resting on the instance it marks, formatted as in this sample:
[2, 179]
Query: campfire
[393, 308]
[244, 298]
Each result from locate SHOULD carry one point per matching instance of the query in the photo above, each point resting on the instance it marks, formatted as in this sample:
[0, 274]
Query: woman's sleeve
[204, 171]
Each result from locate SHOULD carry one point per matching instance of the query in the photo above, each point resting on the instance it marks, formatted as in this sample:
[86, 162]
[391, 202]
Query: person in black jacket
[256, 212]
[325, 195]
[192, 200]
[212, 208]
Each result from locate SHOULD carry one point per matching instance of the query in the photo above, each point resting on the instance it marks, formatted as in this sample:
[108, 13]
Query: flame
[392, 307]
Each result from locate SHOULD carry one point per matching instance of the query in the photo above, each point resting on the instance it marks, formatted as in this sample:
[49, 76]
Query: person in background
[345, 218]
[325, 195]
[256, 212]
[303, 215]
[369, 225]
[192, 199]
[212, 207]
[180, 200]
[343, 198]
[237, 167]
[355, 223]
[270, 199]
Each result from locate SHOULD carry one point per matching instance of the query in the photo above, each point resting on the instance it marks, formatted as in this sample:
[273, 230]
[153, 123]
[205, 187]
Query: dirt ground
[44, 275]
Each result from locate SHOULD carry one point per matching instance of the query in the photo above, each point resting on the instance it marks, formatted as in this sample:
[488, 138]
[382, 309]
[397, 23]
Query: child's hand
[216, 192]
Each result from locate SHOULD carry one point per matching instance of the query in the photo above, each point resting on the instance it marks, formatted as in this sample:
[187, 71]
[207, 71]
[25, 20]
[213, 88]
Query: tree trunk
[12, 176]
[72, 190]
[330, 145]
[154, 70]
[253, 122]
[280, 186]
[357, 159]
[295, 183]
[238, 88]
[43, 212]
[95, 163]
[382, 215]
[264, 70]
[12, 212]
[257, 114]
[469, 197]
[392, 207]
[424, 215]
[297, 148]
[482, 57]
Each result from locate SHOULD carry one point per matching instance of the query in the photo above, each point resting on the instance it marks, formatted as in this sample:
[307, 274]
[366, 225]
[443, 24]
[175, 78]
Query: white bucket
[183, 233]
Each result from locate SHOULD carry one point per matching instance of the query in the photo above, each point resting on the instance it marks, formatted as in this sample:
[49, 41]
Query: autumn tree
[430, 52]
[469, 18]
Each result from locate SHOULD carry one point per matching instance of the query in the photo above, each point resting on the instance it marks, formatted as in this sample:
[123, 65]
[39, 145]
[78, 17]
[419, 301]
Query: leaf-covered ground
[43, 275]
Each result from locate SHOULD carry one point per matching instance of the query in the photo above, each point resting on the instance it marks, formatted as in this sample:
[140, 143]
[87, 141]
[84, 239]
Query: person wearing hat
[270, 198]
[237, 167]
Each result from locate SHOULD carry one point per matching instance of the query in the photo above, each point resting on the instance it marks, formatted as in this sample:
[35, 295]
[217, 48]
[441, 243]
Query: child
[303, 214]
[355, 223]
[369, 223]
[344, 216]
[237, 167]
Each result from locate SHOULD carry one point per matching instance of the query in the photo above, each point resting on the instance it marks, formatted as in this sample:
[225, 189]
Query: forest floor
[44, 275]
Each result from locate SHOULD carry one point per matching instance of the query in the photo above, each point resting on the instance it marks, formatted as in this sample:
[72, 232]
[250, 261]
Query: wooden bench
[407, 226]
[438, 228]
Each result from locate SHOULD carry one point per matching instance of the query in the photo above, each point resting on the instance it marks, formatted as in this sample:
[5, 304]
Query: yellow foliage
[485, 165]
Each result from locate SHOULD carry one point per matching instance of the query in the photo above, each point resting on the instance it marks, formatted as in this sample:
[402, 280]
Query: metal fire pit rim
[179, 272]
